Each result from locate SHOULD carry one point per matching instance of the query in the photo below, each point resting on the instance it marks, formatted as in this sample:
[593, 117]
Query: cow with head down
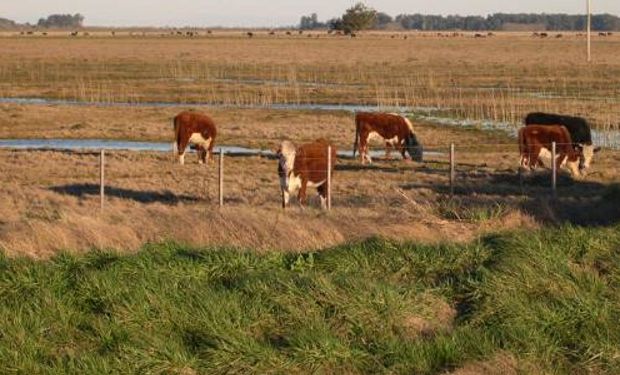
[579, 130]
[535, 147]
[302, 167]
[197, 130]
[393, 129]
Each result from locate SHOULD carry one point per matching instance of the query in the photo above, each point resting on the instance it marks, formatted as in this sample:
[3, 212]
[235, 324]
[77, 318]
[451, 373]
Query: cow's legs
[559, 161]
[364, 135]
[533, 157]
[365, 154]
[302, 193]
[202, 155]
[388, 151]
[181, 146]
[286, 198]
[322, 190]
[209, 154]
[363, 151]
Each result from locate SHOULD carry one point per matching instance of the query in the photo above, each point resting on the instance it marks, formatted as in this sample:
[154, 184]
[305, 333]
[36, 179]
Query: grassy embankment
[541, 302]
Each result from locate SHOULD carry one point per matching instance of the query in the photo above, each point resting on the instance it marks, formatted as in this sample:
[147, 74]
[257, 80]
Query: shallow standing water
[276, 106]
[609, 139]
[106, 144]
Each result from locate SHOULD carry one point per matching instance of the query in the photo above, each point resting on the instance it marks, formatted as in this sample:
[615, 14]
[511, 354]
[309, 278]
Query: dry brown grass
[49, 200]
[500, 364]
[52, 207]
[499, 78]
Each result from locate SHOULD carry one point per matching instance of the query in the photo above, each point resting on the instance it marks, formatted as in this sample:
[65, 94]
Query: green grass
[551, 299]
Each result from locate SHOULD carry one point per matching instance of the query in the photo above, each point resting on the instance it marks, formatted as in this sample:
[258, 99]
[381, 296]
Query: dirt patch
[501, 364]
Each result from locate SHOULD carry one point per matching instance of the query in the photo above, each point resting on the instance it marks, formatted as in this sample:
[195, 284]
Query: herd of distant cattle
[300, 167]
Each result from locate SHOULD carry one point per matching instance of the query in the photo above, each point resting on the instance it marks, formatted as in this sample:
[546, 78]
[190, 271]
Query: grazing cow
[302, 167]
[535, 144]
[197, 129]
[395, 130]
[578, 128]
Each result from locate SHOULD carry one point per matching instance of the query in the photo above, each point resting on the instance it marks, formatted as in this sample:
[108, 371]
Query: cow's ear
[597, 150]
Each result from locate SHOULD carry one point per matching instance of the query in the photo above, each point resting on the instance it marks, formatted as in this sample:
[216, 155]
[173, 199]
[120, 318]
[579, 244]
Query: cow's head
[586, 152]
[286, 160]
[414, 148]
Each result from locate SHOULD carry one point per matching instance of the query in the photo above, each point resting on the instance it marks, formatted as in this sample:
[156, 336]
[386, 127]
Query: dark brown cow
[394, 129]
[535, 143]
[197, 129]
[302, 167]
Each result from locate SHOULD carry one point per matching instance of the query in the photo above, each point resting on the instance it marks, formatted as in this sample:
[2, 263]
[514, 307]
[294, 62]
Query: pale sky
[269, 13]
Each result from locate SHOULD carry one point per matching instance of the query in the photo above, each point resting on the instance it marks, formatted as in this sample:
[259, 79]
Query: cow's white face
[587, 152]
[286, 161]
[574, 167]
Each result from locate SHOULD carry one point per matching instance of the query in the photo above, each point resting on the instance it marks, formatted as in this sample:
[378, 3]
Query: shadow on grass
[583, 203]
[141, 196]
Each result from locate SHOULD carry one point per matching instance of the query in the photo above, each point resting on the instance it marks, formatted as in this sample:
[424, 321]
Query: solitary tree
[359, 17]
[62, 20]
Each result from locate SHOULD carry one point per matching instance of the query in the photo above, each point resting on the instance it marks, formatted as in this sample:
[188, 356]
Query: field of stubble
[497, 78]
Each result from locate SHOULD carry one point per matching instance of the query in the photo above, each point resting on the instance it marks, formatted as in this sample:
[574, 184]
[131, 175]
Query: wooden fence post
[452, 169]
[221, 178]
[554, 169]
[589, 26]
[329, 178]
[102, 178]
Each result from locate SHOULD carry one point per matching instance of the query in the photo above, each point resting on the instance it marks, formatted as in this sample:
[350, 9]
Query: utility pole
[589, 30]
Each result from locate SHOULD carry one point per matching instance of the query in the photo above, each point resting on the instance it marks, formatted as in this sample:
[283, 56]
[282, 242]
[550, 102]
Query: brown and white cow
[197, 129]
[302, 167]
[395, 130]
[535, 145]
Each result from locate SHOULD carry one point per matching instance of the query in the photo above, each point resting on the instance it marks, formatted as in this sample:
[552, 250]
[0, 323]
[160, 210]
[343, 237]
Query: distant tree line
[62, 21]
[498, 21]
[7, 24]
[360, 17]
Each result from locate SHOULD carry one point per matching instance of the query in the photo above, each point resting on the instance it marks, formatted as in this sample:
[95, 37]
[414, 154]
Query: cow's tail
[357, 136]
[176, 127]
[523, 153]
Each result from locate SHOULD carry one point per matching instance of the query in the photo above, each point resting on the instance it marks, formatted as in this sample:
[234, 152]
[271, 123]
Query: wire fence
[455, 170]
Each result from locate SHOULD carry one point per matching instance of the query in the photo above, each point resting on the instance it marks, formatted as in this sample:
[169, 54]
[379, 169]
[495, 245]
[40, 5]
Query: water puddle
[99, 144]
[603, 138]
[275, 106]
[609, 139]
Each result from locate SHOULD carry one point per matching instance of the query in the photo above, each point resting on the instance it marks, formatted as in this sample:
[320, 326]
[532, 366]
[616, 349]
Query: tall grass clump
[549, 300]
